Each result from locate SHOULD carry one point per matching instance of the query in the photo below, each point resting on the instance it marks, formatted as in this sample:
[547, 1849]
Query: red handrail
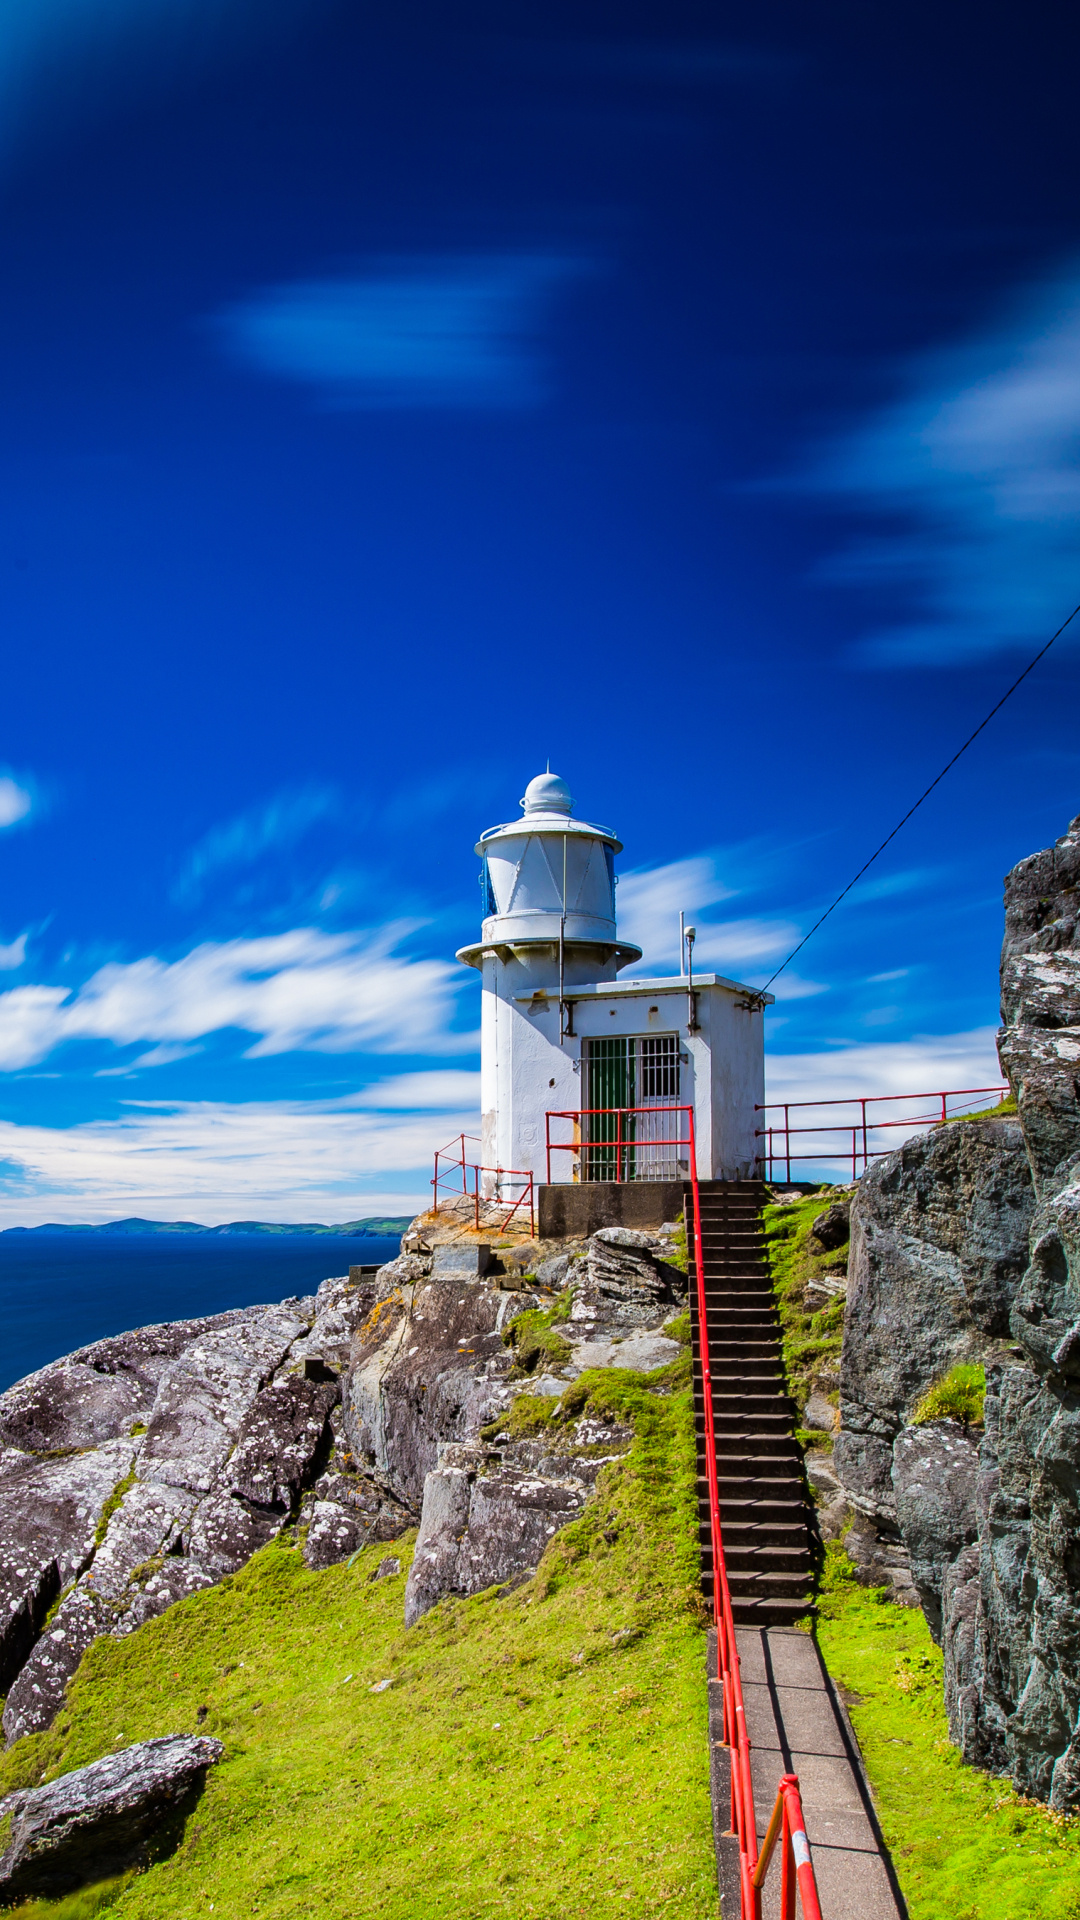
[787, 1825]
[779, 1137]
[752, 1868]
[454, 1154]
[622, 1145]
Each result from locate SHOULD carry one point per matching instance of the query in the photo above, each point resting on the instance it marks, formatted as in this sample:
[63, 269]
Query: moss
[533, 1338]
[965, 1845]
[1000, 1112]
[137, 1427]
[111, 1504]
[146, 1569]
[529, 1414]
[511, 1768]
[679, 1329]
[812, 1327]
[679, 1257]
[958, 1395]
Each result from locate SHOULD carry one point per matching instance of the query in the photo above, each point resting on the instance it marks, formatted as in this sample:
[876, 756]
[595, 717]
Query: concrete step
[761, 1511]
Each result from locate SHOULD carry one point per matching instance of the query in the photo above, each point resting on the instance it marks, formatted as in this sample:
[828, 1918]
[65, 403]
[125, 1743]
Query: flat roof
[628, 989]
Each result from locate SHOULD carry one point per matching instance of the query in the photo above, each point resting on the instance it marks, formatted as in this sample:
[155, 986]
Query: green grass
[813, 1329]
[998, 1112]
[540, 1752]
[965, 1845]
[533, 1337]
[958, 1395]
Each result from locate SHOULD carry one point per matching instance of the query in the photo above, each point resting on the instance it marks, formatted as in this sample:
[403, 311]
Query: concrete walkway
[797, 1724]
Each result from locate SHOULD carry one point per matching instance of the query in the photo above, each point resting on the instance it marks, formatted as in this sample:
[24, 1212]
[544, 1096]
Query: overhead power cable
[925, 795]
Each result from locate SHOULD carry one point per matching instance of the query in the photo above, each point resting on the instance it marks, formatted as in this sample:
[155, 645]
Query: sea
[58, 1292]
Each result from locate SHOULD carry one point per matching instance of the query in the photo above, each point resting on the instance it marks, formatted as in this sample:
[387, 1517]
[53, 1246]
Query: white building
[562, 1035]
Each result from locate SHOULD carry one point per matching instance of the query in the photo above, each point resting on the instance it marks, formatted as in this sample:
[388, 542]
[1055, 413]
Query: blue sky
[394, 399]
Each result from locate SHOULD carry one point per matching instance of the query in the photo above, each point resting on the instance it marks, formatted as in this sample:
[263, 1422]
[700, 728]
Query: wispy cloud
[974, 477]
[432, 332]
[13, 954]
[215, 1161]
[15, 801]
[440, 1088]
[651, 899]
[922, 1065]
[281, 822]
[304, 989]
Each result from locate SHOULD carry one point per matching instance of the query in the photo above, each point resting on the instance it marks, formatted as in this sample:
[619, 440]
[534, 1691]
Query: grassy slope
[966, 1847]
[543, 1753]
[813, 1329]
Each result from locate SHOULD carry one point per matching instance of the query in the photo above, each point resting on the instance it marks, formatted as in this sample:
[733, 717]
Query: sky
[393, 400]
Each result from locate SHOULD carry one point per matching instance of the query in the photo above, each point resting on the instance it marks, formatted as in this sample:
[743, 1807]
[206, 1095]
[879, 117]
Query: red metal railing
[458, 1167]
[796, 1867]
[632, 1143]
[787, 1815]
[853, 1143]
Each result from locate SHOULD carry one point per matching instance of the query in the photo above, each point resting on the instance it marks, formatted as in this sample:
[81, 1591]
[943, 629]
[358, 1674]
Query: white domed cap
[547, 794]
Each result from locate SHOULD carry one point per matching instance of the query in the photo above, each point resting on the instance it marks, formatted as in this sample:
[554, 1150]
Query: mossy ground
[813, 1326]
[965, 1845]
[542, 1752]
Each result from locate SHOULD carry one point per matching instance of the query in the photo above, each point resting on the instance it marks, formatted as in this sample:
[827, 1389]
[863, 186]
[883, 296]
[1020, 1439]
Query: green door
[610, 1084]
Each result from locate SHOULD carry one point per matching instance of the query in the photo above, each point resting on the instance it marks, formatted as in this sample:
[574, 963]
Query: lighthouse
[583, 1075]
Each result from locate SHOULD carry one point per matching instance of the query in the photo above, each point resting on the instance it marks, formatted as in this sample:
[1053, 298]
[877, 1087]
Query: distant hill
[352, 1229]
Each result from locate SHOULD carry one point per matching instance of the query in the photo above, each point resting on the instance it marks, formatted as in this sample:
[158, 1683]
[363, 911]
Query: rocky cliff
[440, 1393]
[965, 1246]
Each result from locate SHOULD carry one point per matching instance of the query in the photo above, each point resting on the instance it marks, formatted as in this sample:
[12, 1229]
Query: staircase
[763, 1509]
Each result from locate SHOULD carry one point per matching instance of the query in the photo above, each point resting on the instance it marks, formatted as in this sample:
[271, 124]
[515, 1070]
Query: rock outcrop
[939, 1246]
[184, 1448]
[964, 1249]
[144, 1468]
[101, 1818]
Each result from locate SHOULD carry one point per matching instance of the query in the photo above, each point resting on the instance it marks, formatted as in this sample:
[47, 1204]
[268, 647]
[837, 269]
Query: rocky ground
[142, 1468]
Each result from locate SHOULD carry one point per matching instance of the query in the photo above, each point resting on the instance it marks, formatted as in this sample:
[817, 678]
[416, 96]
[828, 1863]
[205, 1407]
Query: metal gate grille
[623, 1073]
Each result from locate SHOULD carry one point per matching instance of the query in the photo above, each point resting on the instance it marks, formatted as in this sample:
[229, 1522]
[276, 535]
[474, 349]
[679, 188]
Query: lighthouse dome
[548, 883]
[547, 794]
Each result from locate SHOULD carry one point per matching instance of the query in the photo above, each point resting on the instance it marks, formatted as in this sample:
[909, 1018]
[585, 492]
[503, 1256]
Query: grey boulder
[934, 1471]
[101, 1818]
[482, 1523]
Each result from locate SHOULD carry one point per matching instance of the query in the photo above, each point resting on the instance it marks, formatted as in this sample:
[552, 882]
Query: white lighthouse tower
[561, 1035]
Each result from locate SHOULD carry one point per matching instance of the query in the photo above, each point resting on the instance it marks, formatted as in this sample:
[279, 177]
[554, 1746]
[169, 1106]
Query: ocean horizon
[62, 1288]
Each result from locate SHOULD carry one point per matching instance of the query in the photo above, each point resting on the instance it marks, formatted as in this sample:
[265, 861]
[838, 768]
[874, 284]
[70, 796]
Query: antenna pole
[562, 950]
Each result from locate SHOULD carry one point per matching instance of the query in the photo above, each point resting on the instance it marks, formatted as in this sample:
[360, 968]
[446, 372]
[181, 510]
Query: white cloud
[331, 993]
[211, 1161]
[792, 986]
[975, 477]
[649, 902]
[441, 1088]
[15, 801]
[13, 955]
[280, 823]
[439, 331]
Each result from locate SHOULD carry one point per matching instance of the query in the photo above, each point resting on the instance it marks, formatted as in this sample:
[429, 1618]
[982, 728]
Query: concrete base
[567, 1210]
[797, 1724]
